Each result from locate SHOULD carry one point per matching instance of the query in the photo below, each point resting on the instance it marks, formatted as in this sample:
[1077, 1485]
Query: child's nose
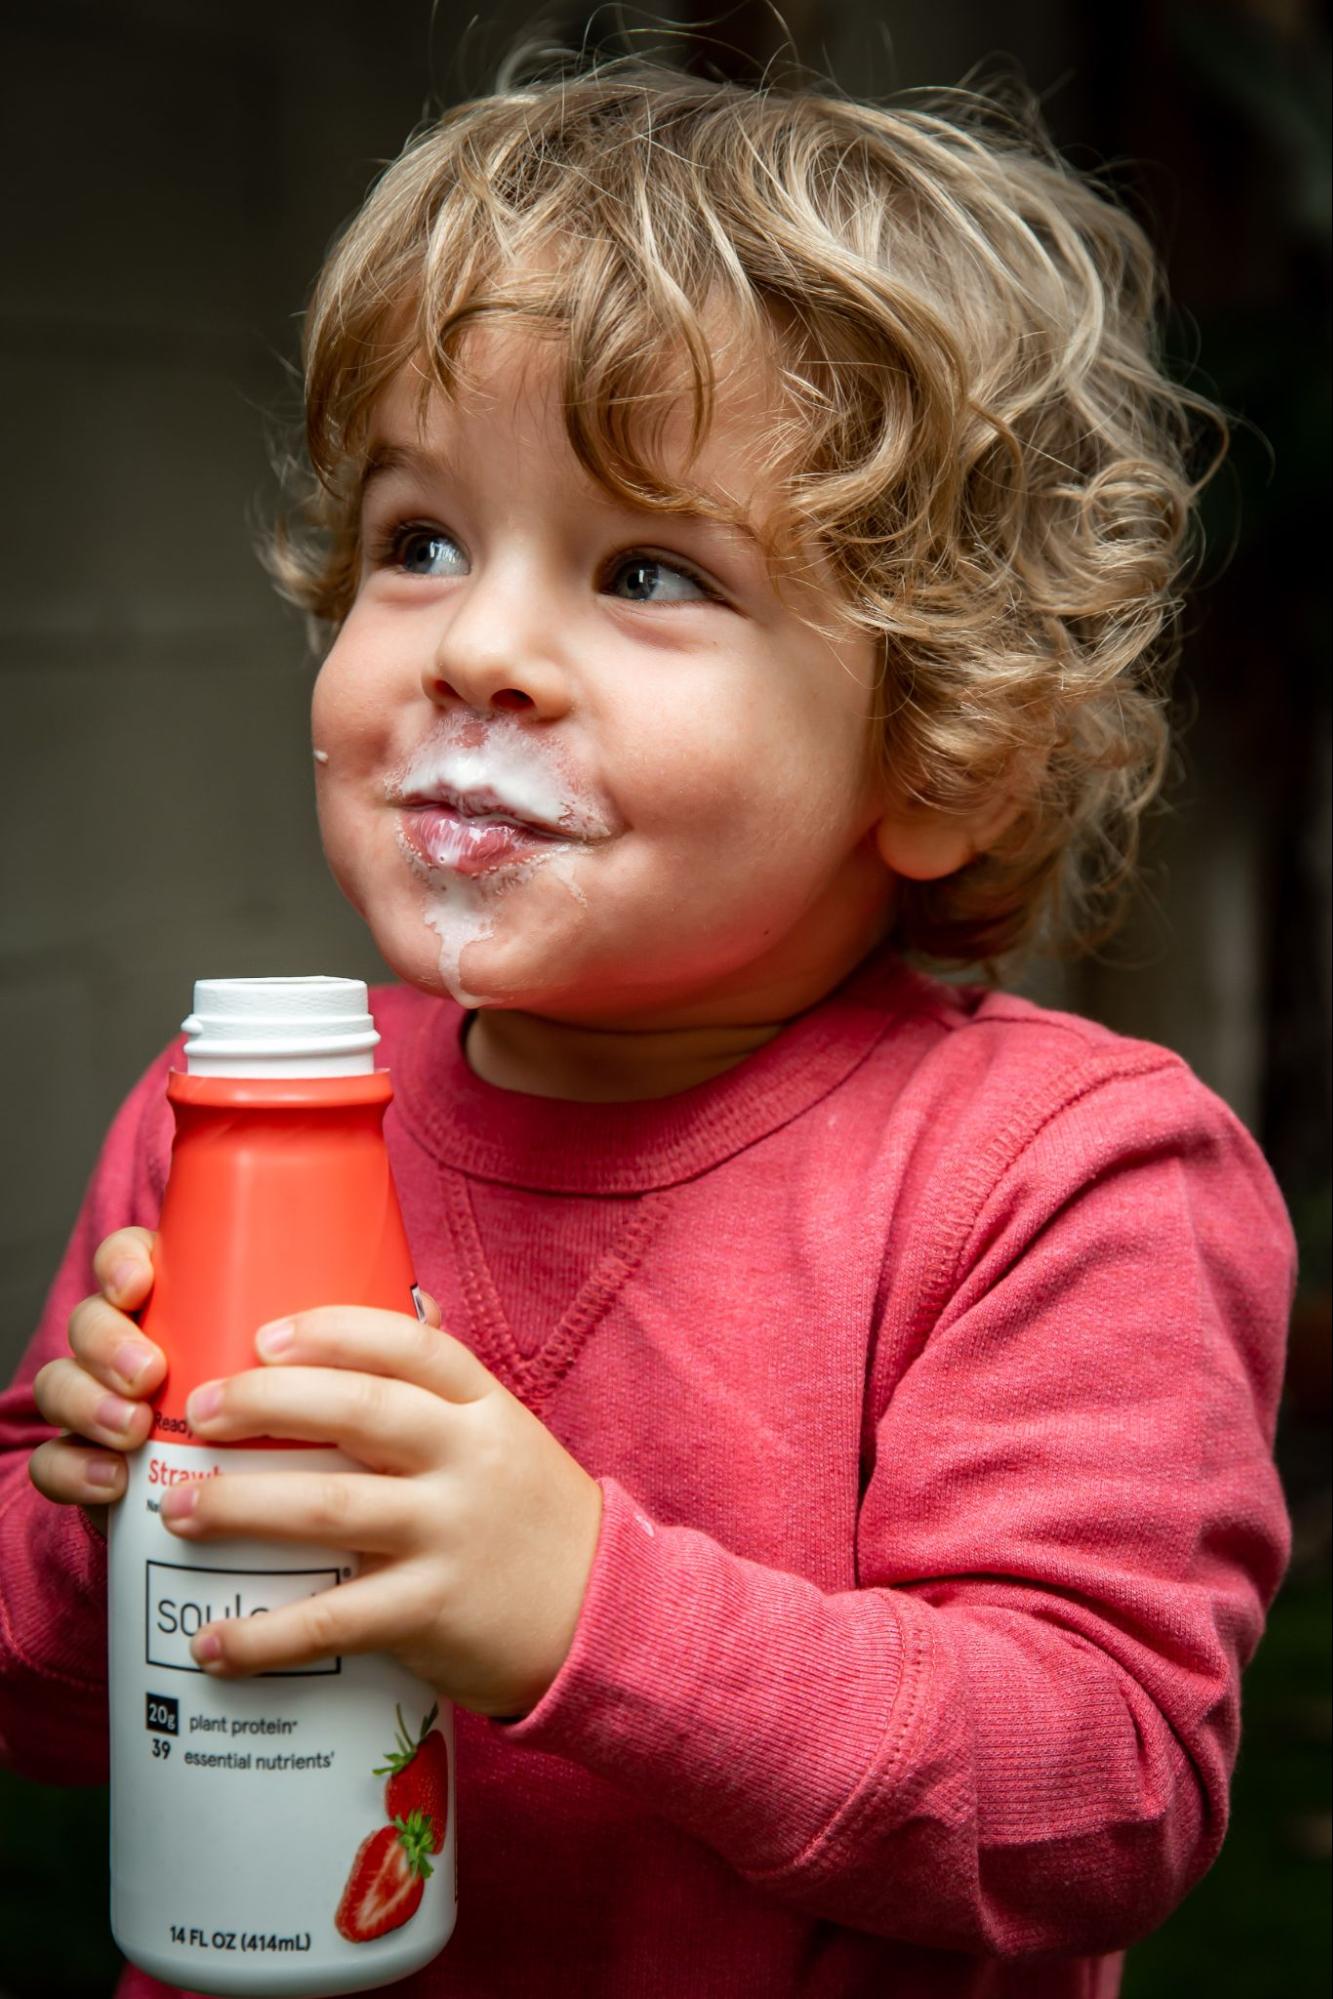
[443, 691]
[480, 662]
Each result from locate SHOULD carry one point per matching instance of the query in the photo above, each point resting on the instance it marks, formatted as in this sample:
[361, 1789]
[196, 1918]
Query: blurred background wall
[173, 174]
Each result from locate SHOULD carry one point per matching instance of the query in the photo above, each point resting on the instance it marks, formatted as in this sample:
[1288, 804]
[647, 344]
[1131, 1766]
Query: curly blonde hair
[978, 440]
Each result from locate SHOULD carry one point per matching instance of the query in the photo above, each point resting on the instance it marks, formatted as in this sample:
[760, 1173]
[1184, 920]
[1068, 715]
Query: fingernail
[130, 1362]
[207, 1648]
[114, 1413]
[102, 1472]
[204, 1403]
[180, 1502]
[124, 1278]
[275, 1338]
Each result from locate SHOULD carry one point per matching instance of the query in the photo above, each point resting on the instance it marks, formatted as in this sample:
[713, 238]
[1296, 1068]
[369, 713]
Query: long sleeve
[52, 1562]
[1016, 1734]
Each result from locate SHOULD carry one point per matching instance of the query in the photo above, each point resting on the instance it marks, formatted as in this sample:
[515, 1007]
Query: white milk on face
[464, 913]
[458, 916]
[498, 755]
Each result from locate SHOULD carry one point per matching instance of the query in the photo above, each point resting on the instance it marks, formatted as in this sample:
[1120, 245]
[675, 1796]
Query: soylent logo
[180, 1601]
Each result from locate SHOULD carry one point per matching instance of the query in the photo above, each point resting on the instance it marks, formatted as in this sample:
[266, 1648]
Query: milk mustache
[292, 1833]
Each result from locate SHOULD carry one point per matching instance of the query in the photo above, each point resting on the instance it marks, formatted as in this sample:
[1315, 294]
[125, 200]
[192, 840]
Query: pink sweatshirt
[929, 1361]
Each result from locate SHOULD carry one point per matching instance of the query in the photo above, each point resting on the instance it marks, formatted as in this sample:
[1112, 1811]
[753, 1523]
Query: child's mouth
[485, 796]
[462, 843]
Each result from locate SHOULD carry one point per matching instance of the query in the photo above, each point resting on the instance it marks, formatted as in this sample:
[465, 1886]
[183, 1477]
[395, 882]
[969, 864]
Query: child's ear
[924, 844]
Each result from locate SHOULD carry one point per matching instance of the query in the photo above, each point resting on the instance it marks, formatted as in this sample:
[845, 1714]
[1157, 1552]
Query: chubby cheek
[337, 833]
[742, 802]
[355, 701]
[351, 737]
[685, 780]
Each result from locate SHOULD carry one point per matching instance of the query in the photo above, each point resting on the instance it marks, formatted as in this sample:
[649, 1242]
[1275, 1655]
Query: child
[841, 1501]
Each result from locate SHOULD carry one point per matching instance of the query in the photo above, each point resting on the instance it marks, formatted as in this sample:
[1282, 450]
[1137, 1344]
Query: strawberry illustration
[418, 1774]
[385, 1885]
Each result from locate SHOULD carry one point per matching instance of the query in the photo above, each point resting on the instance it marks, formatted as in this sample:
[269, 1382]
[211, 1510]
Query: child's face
[562, 774]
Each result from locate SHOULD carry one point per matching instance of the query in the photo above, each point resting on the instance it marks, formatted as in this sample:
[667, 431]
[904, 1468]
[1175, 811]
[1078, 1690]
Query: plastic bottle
[253, 1844]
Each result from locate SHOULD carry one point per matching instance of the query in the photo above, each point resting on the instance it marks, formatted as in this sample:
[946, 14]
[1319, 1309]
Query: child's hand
[478, 1526]
[98, 1395]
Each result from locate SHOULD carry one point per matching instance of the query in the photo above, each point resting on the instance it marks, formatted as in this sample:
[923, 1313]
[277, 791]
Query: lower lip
[446, 840]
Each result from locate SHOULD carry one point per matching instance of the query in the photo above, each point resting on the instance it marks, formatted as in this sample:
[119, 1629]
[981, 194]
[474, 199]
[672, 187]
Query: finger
[385, 1343]
[123, 1267]
[430, 1310]
[386, 1424]
[110, 1346]
[376, 1516]
[73, 1473]
[369, 1614]
[69, 1398]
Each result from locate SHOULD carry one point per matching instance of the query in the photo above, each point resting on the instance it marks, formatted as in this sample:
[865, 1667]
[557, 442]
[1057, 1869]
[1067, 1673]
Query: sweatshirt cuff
[743, 1703]
[52, 1639]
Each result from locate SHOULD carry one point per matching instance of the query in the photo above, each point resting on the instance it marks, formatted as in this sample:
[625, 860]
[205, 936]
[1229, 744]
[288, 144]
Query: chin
[447, 958]
[411, 954]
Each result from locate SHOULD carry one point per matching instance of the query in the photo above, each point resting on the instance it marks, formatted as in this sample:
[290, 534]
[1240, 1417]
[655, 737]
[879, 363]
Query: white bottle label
[253, 1848]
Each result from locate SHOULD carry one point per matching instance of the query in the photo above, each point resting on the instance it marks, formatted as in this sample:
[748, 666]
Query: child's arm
[1017, 1735]
[52, 1559]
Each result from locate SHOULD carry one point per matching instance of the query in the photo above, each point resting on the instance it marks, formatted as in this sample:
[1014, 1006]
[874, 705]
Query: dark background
[174, 173]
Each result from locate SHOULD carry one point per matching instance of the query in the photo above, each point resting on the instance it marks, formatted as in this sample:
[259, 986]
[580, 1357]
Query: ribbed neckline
[550, 1146]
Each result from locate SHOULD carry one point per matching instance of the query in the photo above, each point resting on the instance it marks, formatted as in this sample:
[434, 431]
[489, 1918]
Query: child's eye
[421, 550]
[646, 579]
[417, 548]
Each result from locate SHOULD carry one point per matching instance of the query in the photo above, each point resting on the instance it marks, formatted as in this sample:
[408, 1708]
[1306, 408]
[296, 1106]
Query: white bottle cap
[280, 1027]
